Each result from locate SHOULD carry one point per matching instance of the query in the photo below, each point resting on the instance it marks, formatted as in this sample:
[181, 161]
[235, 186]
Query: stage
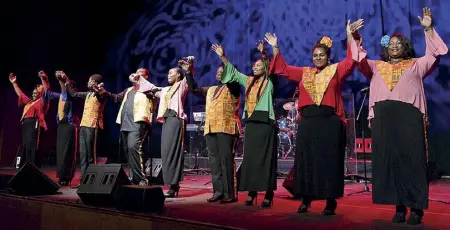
[191, 211]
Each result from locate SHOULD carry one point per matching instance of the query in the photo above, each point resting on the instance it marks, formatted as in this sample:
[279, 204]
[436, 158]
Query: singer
[259, 166]
[222, 126]
[320, 148]
[397, 113]
[135, 120]
[91, 121]
[33, 118]
[171, 114]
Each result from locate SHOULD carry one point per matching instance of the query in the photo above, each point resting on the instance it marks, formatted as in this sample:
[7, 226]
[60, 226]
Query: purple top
[409, 88]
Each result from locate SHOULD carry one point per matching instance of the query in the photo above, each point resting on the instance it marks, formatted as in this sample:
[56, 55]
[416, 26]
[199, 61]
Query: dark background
[114, 39]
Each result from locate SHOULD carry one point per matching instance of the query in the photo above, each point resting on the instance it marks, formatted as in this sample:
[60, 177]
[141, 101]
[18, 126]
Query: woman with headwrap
[33, 118]
[320, 147]
[259, 166]
[397, 114]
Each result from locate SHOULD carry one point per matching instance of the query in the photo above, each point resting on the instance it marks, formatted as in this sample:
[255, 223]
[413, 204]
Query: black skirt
[172, 138]
[259, 165]
[399, 155]
[320, 151]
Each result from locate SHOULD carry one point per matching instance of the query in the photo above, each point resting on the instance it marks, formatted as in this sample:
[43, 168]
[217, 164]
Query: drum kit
[287, 124]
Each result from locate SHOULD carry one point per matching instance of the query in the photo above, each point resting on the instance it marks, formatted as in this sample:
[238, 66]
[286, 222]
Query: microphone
[365, 89]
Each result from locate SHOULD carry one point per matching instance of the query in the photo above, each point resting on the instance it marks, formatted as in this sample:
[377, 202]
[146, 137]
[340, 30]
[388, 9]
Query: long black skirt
[399, 155]
[172, 136]
[65, 151]
[320, 151]
[259, 165]
[30, 141]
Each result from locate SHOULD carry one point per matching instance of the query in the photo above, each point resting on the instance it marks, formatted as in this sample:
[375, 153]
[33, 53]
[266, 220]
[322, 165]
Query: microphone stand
[366, 187]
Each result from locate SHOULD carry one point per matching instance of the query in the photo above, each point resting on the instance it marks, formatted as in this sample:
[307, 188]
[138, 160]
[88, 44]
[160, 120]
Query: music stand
[366, 187]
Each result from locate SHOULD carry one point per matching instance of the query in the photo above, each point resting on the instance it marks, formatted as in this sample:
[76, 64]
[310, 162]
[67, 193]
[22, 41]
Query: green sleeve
[232, 75]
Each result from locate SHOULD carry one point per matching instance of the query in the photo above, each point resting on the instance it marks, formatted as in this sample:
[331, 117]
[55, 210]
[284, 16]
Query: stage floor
[353, 212]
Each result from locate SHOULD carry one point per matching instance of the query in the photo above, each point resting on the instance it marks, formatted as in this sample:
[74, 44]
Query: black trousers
[65, 151]
[88, 148]
[221, 160]
[132, 145]
[30, 141]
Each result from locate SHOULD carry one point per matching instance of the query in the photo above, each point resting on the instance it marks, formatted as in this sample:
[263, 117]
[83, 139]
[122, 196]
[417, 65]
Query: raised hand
[271, 39]
[12, 78]
[187, 63]
[260, 46]
[355, 26]
[42, 75]
[426, 21]
[64, 77]
[218, 49]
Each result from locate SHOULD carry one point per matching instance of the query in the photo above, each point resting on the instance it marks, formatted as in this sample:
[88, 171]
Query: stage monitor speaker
[153, 171]
[288, 183]
[100, 184]
[141, 198]
[30, 181]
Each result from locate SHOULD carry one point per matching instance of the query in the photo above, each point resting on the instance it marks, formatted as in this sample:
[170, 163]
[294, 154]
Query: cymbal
[289, 106]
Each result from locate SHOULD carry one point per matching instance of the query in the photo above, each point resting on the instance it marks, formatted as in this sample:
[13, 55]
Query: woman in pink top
[171, 114]
[397, 113]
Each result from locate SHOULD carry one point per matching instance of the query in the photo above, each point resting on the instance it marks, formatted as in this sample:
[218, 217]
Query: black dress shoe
[415, 218]
[303, 208]
[228, 200]
[330, 207]
[399, 217]
[214, 199]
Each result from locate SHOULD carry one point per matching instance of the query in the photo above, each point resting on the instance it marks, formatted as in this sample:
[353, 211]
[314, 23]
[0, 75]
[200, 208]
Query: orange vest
[222, 112]
[93, 112]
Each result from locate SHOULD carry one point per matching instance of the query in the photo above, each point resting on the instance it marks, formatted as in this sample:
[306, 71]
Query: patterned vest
[142, 108]
[222, 111]
[316, 84]
[61, 105]
[391, 73]
[93, 112]
[254, 93]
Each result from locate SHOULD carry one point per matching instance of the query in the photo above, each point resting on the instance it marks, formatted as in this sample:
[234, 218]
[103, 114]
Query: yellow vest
[93, 112]
[222, 112]
[142, 108]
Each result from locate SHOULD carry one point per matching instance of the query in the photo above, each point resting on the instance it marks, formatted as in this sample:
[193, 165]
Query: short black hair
[324, 47]
[408, 52]
[97, 77]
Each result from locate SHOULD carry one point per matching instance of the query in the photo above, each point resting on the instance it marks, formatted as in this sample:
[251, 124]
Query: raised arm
[117, 98]
[345, 67]
[278, 65]
[44, 80]
[192, 85]
[72, 93]
[434, 47]
[23, 99]
[229, 74]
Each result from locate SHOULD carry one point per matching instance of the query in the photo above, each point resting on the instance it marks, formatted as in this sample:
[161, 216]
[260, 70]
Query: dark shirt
[49, 95]
[234, 88]
[128, 123]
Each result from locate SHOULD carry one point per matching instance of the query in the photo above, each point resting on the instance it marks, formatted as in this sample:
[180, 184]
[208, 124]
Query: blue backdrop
[169, 30]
